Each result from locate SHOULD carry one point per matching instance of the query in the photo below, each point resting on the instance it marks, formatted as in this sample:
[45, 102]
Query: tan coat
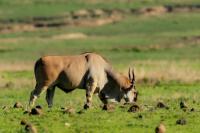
[88, 71]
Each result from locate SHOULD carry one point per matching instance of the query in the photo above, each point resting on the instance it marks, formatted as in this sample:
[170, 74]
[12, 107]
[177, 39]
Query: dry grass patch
[16, 66]
[153, 72]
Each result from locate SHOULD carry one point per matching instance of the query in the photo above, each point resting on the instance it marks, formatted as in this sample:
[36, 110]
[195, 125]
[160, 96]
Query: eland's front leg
[91, 87]
[103, 98]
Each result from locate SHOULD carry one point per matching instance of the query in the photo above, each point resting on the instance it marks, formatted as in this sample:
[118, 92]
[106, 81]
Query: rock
[69, 110]
[140, 116]
[38, 107]
[30, 128]
[160, 128]
[181, 121]
[192, 110]
[108, 107]
[134, 108]
[183, 105]
[36, 111]
[23, 122]
[18, 105]
[161, 105]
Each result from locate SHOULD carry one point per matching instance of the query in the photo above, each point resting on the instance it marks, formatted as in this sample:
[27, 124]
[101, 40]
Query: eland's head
[130, 93]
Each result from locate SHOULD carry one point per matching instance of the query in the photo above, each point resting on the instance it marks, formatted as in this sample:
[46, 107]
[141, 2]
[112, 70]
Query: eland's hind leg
[39, 89]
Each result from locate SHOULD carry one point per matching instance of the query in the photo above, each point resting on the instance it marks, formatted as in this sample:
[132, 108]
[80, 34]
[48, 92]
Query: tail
[37, 67]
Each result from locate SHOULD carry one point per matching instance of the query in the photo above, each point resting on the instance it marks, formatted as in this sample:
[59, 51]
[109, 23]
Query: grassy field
[96, 120]
[164, 49]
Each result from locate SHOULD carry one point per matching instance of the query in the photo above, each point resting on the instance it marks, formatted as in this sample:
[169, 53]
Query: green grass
[96, 120]
[163, 49]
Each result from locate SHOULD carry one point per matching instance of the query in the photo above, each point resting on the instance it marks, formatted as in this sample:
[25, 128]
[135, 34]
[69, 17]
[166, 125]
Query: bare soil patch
[152, 10]
[16, 66]
[88, 17]
[193, 39]
[70, 36]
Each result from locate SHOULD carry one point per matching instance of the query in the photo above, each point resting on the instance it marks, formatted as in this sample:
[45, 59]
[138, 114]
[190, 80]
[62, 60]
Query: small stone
[181, 121]
[69, 110]
[183, 105]
[192, 110]
[108, 107]
[36, 111]
[23, 122]
[160, 128]
[134, 108]
[30, 128]
[161, 105]
[140, 116]
[18, 105]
